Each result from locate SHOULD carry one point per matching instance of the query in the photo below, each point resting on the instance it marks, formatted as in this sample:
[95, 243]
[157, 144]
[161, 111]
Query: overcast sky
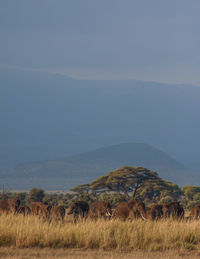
[103, 39]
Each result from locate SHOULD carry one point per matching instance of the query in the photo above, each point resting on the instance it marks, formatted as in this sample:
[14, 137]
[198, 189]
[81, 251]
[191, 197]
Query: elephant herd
[126, 210]
[35, 208]
[134, 209]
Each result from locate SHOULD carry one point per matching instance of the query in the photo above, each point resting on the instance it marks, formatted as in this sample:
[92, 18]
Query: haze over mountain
[65, 173]
[62, 87]
[46, 116]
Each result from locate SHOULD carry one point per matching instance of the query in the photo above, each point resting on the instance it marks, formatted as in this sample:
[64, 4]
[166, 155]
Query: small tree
[191, 196]
[21, 196]
[35, 195]
[158, 190]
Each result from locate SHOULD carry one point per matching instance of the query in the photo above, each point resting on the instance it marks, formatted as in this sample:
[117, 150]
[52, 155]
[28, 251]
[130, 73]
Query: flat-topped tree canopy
[125, 179]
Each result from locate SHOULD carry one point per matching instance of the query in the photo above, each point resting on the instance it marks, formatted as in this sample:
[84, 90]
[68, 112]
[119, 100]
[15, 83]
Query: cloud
[104, 38]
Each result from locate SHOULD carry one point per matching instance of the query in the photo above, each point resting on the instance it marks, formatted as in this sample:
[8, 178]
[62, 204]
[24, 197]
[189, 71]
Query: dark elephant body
[25, 210]
[155, 212]
[79, 209]
[173, 210]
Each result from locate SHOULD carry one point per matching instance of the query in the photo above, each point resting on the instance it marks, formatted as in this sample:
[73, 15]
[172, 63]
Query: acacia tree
[125, 180]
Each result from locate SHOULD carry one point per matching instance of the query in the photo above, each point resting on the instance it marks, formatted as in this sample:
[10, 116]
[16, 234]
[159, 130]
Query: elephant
[35, 207]
[57, 212]
[173, 209]
[24, 210]
[9, 205]
[122, 210]
[79, 209]
[130, 210]
[44, 211]
[195, 212]
[155, 212]
[100, 209]
[137, 209]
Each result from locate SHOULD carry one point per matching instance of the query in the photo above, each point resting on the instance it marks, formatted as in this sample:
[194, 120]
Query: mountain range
[46, 116]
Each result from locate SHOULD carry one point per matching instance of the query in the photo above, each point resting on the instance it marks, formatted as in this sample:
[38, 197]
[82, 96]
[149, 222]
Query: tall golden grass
[31, 231]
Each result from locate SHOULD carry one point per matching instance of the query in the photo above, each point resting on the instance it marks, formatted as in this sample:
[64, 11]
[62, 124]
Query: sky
[108, 39]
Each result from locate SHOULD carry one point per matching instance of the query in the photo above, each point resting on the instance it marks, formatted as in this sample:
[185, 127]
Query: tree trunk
[136, 188]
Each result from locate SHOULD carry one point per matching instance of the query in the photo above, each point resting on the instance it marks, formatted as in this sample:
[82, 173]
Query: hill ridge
[69, 171]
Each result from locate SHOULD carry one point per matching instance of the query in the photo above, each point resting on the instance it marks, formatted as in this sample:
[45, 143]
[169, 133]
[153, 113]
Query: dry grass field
[49, 253]
[32, 237]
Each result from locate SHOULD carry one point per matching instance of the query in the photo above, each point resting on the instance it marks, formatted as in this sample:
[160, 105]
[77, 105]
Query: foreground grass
[49, 253]
[30, 232]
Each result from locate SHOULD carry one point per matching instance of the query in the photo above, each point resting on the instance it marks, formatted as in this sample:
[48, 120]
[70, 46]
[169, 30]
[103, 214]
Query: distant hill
[65, 173]
[46, 116]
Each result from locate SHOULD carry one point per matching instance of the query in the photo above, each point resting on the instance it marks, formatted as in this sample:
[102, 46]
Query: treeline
[122, 184]
[188, 196]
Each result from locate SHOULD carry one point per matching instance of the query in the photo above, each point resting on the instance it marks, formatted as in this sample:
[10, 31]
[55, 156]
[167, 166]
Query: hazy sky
[103, 39]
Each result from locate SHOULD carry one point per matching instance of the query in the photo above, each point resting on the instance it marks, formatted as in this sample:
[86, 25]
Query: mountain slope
[45, 116]
[85, 167]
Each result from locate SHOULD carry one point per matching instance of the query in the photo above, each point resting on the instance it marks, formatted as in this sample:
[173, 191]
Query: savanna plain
[33, 237]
